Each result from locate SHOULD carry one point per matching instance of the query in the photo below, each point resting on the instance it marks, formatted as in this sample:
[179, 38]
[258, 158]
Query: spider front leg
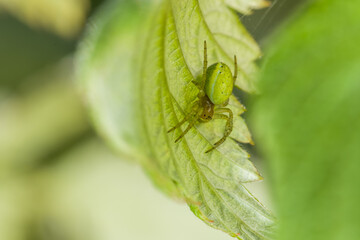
[235, 71]
[193, 116]
[195, 108]
[203, 77]
[204, 67]
[191, 124]
[228, 127]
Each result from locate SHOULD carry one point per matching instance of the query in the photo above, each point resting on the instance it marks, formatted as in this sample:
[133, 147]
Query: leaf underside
[134, 112]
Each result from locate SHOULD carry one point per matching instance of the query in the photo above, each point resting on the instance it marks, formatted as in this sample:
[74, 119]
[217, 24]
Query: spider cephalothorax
[215, 89]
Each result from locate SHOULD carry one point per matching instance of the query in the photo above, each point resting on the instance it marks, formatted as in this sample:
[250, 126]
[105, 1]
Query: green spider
[215, 90]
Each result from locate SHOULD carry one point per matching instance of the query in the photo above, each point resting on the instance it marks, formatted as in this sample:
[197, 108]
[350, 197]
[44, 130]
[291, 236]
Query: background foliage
[307, 121]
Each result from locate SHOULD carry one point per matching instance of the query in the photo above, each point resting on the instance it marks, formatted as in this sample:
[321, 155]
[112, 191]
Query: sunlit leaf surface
[139, 85]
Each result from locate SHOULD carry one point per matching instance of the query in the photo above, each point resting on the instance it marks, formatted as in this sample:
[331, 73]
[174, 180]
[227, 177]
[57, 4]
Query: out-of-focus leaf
[39, 121]
[135, 94]
[308, 121]
[65, 17]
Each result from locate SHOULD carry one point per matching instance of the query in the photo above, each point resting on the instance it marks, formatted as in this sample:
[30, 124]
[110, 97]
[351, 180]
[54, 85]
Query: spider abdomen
[219, 83]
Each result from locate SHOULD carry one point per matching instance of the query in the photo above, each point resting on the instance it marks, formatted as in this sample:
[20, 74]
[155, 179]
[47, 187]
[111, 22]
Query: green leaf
[308, 121]
[140, 85]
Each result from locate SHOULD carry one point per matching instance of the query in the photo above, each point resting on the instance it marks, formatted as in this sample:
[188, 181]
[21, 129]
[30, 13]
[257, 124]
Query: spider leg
[235, 71]
[228, 127]
[180, 123]
[203, 78]
[191, 124]
[205, 66]
[187, 117]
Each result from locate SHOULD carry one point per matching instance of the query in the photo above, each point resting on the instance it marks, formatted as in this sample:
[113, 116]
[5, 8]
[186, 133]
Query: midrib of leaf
[161, 110]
